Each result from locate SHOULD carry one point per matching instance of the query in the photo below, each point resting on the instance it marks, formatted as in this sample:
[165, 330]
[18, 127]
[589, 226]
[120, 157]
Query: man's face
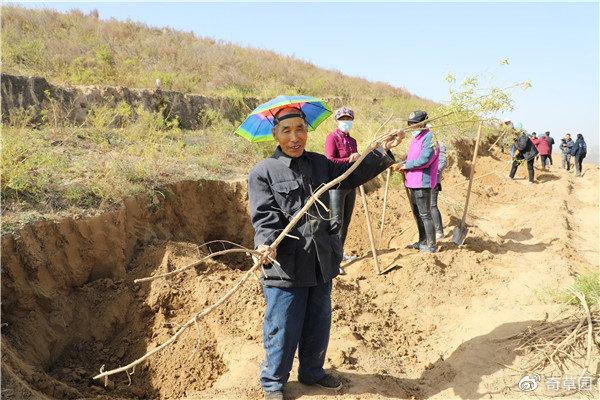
[567, 136]
[291, 135]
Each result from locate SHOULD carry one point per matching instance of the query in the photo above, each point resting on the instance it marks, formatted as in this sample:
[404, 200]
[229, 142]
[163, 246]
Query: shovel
[460, 232]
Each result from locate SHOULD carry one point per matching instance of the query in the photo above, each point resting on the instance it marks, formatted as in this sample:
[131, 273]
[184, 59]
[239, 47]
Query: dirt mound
[433, 326]
[71, 284]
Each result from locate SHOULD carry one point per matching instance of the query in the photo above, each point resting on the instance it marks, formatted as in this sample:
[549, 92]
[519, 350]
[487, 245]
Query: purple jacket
[421, 160]
[339, 146]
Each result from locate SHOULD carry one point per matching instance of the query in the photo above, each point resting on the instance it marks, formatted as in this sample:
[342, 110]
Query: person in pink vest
[421, 175]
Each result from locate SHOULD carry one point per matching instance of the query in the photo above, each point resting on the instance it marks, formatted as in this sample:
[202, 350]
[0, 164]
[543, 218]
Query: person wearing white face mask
[341, 148]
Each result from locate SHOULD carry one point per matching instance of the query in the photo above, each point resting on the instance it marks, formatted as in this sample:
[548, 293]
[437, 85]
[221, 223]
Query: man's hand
[264, 249]
[353, 157]
[395, 140]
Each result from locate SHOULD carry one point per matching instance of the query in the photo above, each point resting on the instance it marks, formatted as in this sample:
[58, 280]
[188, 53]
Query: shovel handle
[370, 229]
[385, 196]
[464, 216]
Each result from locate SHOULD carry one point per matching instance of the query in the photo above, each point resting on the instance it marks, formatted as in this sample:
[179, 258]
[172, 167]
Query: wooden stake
[385, 195]
[370, 229]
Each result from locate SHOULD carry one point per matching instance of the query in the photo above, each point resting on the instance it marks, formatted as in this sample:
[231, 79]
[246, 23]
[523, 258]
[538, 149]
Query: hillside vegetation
[57, 167]
[82, 49]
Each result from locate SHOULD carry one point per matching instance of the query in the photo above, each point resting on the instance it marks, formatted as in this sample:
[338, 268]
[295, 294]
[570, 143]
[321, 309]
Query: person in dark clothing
[551, 143]
[297, 287]
[341, 148]
[579, 151]
[566, 145]
[525, 151]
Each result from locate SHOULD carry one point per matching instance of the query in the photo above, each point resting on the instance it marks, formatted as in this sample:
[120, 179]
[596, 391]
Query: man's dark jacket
[526, 147]
[579, 148]
[278, 187]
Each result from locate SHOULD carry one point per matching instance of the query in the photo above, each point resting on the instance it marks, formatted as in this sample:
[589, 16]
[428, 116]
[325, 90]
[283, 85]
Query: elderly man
[297, 289]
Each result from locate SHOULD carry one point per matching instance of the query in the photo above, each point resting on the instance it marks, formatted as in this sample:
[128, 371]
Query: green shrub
[28, 163]
[587, 283]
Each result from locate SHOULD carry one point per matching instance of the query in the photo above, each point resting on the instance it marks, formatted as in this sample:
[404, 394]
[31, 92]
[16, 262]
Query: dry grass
[78, 169]
[80, 49]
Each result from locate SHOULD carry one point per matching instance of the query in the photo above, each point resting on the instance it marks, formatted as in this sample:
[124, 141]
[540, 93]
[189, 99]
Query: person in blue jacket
[566, 144]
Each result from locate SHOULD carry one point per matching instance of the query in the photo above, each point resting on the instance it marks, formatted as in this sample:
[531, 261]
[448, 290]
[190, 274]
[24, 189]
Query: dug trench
[433, 326]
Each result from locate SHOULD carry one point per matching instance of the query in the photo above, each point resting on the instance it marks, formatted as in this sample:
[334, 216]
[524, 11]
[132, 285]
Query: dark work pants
[515, 165]
[295, 318]
[545, 161]
[421, 201]
[550, 157]
[435, 211]
[341, 203]
[578, 164]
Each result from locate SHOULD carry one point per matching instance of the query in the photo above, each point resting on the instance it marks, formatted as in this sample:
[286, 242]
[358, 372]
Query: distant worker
[566, 144]
[579, 151]
[341, 148]
[550, 140]
[536, 141]
[524, 151]
[435, 211]
[544, 149]
[420, 171]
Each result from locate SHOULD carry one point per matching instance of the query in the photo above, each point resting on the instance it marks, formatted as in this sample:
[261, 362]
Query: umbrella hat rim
[282, 101]
[258, 124]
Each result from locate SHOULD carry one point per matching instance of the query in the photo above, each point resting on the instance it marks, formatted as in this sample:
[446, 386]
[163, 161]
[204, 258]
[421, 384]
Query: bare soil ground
[435, 326]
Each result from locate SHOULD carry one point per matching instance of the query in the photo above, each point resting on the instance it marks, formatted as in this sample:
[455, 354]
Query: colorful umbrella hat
[257, 127]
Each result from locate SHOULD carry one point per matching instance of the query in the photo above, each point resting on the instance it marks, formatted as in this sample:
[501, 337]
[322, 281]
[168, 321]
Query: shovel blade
[388, 269]
[459, 235]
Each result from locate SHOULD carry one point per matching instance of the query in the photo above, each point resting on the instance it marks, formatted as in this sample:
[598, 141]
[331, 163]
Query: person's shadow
[546, 177]
[462, 372]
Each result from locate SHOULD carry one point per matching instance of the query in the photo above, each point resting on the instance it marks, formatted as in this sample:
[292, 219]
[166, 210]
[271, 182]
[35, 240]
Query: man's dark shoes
[414, 246]
[329, 382]
[276, 395]
[426, 249]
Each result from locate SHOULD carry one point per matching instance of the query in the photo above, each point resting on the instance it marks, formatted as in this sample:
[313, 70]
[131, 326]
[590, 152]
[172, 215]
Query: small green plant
[81, 72]
[21, 117]
[208, 117]
[101, 117]
[587, 283]
[53, 114]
